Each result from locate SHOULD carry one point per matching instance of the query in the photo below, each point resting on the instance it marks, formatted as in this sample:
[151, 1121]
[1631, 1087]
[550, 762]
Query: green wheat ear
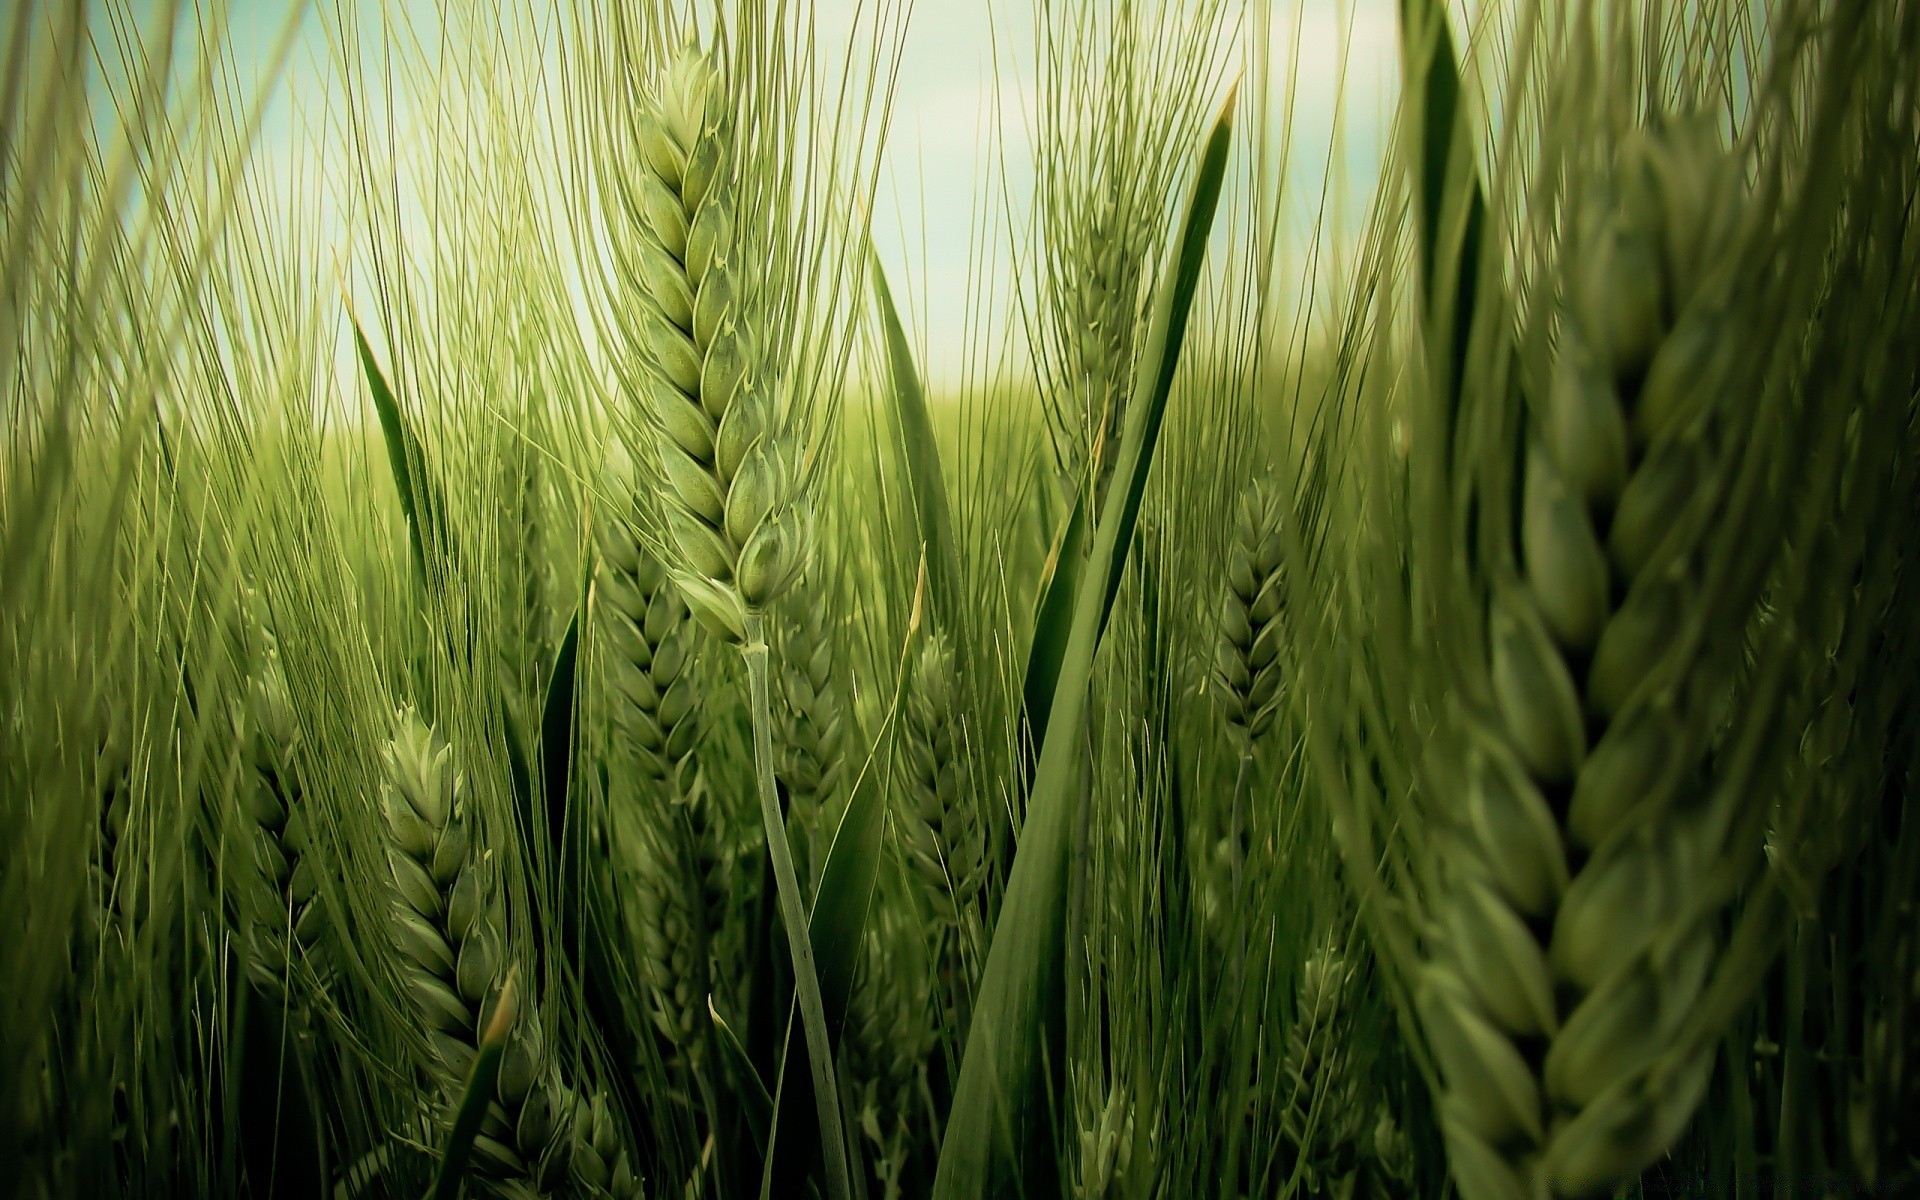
[939, 823]
[739, 530]
[1246, 671]
[1323, 1120]
[1576, 927]
[276, 828]
[449, 936]
[651, 657]
[890, 1038]
[811, 723]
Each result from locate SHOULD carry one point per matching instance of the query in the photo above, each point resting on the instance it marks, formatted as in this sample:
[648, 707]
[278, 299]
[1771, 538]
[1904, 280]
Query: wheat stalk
[738, 523]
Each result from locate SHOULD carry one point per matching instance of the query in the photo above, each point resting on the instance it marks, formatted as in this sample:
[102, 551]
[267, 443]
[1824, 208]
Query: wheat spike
[276, 828]
[739, 530]
[1322, 1119]
[672, 911]
[601, 1164]
[1573, 923]
[1247, 667]
[651, 652]
[1103, 1137]
[890, 1034]
[1102, 296]
[1390, 1152]
[940, 825]
[449, 934]
[522, 537]
[809, 724]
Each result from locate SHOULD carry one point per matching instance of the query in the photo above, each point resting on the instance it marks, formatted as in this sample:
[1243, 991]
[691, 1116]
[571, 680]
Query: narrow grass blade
[556, 731]
[922, 455]
[838, 921]
[1426, 47]
[473, 1102]
[419, 499]
[1053, 619]
[1020, 993]
[749, 1088]
[839, 916]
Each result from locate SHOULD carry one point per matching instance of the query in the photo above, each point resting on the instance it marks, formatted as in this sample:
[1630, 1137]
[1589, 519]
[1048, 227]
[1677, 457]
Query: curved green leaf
[1020, 993]
[922, 453]
[839, 917]
[1052, 622]
[473, 1102]
[419, 499]
[1446, 249]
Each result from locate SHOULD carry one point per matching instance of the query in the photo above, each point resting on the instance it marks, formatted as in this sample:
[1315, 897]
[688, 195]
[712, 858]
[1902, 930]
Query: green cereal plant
[739, 528]
[1323, 1120]
[1121, 80]
[1588, 928]
[1103, 1136]
[1247, 668]
[672, 908]
[1247, 663]
[890, 1038]
[522, 534]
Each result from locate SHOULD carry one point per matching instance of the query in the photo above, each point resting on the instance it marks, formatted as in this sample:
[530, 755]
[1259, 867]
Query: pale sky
[938, 155]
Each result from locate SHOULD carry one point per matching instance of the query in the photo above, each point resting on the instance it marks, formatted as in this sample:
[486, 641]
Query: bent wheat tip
[737, 526]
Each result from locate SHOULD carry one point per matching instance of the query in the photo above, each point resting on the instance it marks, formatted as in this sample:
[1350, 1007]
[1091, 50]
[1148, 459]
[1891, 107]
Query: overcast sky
[938, 155]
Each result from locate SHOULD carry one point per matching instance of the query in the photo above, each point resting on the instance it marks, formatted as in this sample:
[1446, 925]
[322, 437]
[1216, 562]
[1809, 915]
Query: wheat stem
[806, 983]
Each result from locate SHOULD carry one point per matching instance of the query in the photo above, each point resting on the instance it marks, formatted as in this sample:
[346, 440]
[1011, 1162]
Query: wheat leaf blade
[1020, 986]
[473, 1101]
[931, 512]
[418, 498]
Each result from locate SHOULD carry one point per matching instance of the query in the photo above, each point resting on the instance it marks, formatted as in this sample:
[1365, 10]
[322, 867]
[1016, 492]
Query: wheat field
[520, 678]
